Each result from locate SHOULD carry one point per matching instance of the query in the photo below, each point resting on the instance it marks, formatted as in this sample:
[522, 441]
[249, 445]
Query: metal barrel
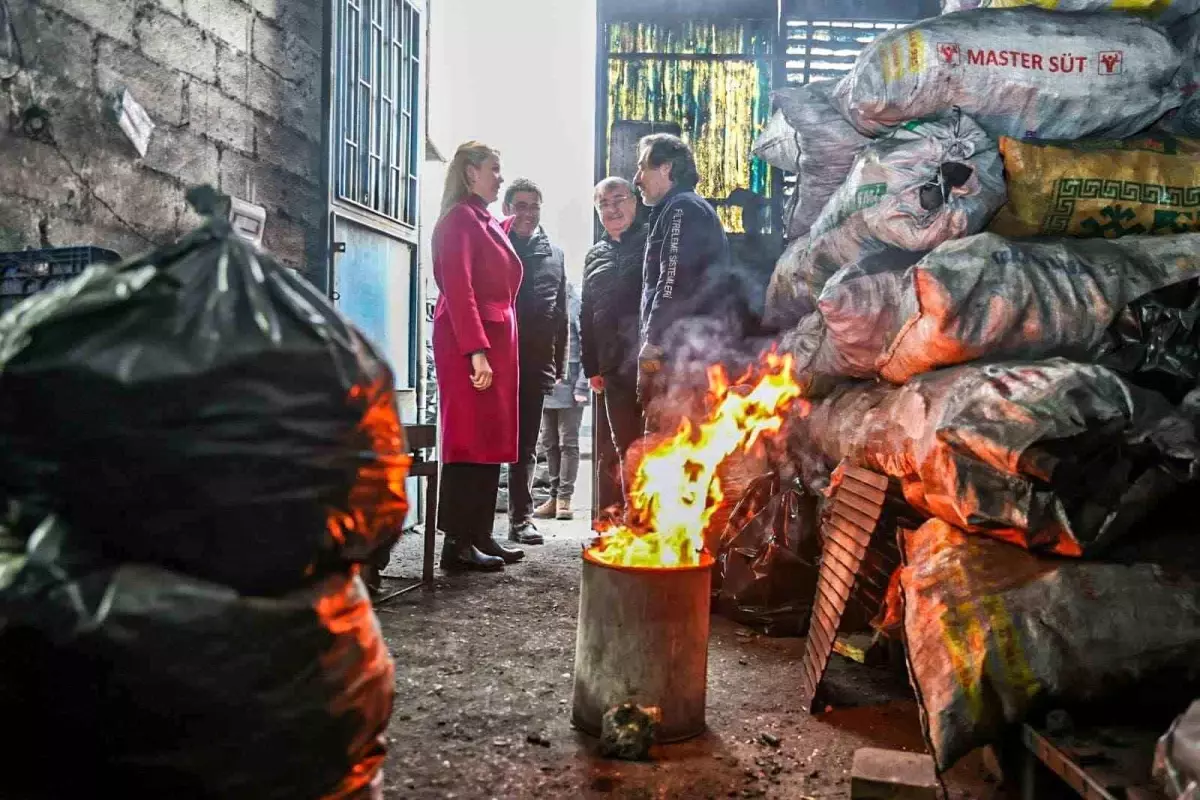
[642, 637]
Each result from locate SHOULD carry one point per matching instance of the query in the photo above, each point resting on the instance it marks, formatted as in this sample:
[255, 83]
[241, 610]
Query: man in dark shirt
[541, 342]
[686, 252]
[612, 291]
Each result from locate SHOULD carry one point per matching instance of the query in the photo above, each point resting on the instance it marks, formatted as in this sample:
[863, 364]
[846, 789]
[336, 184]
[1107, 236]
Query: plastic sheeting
[828, 147]
[1177, 757]
[928, 182]
[1165, 12]
[767, 561]
[1156, 340]
[204, 391]
[1024, 72]
[994, 632]
[136, 681]
[987, 297]
[778, 144]
[1101, 188]
[785, 305]
[1049, 455]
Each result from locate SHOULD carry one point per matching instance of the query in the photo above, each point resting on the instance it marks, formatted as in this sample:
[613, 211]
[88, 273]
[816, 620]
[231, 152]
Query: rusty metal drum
[643, 638]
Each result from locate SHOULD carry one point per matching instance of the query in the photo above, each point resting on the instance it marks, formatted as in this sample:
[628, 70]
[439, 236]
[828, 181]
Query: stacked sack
[197, 452]
[1023, 361]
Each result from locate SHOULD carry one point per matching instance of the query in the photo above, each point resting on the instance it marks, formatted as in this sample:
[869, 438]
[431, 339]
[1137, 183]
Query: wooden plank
[866, 476]
[855, 518]
[849, 531]
[876, 497]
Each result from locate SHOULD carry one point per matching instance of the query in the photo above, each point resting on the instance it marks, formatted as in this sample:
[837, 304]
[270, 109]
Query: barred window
[377, 54]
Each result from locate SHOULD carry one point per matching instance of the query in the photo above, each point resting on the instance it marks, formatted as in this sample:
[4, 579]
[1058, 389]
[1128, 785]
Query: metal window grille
[823, 49]
[377, 80]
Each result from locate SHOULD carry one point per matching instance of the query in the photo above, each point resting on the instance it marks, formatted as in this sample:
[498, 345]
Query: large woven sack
[994, 633]
[1104, 187]
[1022, 72]
[986, 297]
[928, 182]
[1050, 455]
[1164, 12]
[828, 146]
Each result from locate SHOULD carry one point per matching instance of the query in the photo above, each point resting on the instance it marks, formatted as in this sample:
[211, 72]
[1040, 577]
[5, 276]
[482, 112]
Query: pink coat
[478, 274]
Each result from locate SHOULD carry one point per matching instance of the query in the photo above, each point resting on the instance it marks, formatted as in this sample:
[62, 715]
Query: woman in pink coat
[475, 353]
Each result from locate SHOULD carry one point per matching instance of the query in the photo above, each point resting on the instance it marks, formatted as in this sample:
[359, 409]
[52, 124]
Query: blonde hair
[458, 188]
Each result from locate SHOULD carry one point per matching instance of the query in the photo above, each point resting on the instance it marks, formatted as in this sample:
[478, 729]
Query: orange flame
[676, 489]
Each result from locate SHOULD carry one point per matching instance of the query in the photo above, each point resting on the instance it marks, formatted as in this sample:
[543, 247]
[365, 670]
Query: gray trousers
[560, 440]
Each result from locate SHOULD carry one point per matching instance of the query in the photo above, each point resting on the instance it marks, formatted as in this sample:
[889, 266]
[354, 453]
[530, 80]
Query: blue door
[374, 283]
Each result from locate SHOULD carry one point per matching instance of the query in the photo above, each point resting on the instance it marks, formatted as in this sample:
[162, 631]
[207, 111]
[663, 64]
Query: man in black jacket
[686, 253]
[608, 323]
[541, 342]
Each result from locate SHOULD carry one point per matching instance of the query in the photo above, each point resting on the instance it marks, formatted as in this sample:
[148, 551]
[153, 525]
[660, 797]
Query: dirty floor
[484, 681]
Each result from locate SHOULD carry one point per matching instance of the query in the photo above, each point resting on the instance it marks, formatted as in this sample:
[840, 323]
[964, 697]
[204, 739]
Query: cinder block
[228, 20]
[150, 201]
[283, 52]
[274, 189]
[177, 44]
[57, 45]
[286, 148]
[267, 8]
[115, 18]
[223, 119]
[304, 19]
[892, 775]
[183, 155]
[233, 72]
[286, 240]
[160, 90]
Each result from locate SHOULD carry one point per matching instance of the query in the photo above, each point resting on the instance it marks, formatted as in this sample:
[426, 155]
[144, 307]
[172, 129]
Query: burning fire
[676, 489]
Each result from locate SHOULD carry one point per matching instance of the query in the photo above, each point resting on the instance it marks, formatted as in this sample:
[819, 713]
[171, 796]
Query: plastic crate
[27, 272]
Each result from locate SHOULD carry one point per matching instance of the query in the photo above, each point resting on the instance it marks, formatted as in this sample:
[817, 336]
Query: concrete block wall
[233, 86]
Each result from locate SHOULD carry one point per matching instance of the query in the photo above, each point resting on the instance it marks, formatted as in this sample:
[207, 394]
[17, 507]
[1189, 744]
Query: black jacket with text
[686, 257]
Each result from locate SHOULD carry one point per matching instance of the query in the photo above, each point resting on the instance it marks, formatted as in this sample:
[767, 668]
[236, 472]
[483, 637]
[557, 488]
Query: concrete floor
[484, 679]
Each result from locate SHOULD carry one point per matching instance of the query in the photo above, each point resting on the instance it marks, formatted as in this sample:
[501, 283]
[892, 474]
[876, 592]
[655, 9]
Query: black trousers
[623, 411]
[520, 472]
[625, 421]
[467, 500]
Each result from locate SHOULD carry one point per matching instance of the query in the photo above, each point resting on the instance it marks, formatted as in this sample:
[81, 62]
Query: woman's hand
[481, 371]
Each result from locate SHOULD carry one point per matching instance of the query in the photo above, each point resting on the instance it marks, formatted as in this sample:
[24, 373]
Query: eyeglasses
[605, 205]
[527, 208]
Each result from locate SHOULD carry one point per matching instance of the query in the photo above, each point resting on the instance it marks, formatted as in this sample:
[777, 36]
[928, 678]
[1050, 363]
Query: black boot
[525, 533]
[460, 554]
[487, 545]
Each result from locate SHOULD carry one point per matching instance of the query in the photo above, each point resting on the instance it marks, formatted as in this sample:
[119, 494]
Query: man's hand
[581, 399]
[597, 384]
[650, 365]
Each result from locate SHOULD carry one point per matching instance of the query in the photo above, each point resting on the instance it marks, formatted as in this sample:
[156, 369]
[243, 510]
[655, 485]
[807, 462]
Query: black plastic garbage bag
[1156, 340]
[205, 409]
[1050, 455]
[134, 681]
[768, 558]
